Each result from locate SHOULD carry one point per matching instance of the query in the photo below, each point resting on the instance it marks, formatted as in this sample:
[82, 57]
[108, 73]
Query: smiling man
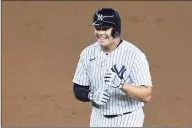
[113, 75]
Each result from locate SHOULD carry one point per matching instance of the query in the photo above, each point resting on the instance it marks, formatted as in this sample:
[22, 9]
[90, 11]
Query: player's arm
[142, 93]
[141, 84]
[81, 80]
[81, 92]
[81, 86]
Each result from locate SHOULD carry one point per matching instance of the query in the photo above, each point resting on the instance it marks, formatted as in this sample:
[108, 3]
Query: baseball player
[112, 75]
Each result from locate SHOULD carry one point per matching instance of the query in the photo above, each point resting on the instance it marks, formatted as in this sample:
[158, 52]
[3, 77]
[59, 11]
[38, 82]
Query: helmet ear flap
[115, 33]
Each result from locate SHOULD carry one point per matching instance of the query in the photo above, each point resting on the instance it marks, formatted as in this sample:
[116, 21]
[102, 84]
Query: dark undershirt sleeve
[81, 92]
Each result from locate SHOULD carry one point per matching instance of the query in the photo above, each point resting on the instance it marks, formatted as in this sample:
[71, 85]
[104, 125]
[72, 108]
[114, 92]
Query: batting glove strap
[90, 95]
[121, 83]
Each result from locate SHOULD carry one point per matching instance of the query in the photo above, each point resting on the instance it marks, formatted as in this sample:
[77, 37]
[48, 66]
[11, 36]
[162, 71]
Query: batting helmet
[108, 17]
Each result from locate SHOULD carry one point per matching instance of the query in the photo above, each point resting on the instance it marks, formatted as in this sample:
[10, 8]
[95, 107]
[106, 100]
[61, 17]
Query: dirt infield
[41, 43]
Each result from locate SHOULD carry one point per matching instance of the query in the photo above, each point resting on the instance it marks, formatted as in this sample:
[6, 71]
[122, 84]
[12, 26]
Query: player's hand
[112, 79]
[100, 97]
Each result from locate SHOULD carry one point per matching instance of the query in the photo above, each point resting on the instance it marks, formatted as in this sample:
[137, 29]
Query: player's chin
[103, 42]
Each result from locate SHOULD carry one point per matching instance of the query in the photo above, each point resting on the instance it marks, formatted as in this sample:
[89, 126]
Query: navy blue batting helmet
[108, 17]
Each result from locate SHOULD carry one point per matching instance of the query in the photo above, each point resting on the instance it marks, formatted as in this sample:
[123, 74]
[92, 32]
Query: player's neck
[112, 46]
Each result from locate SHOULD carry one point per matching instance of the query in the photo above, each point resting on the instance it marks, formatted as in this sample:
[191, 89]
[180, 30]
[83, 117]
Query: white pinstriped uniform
[90, 71]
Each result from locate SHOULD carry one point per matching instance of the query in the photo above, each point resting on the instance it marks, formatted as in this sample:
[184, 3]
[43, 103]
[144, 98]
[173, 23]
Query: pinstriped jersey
[93, 64]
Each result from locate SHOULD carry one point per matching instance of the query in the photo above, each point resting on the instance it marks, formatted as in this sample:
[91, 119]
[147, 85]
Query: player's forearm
[142, 93]
[81, 92]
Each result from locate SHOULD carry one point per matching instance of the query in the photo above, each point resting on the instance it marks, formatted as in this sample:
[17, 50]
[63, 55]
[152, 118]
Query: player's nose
[100, 32]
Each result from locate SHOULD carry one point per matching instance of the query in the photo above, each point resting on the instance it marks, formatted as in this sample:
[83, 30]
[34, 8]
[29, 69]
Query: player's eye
[102, 28]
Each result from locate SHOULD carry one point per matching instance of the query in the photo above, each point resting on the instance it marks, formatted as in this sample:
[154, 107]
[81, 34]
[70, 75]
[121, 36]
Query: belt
[112, 116]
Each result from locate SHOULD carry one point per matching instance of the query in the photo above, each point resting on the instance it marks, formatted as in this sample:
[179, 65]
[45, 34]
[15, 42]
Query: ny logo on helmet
[100, 17]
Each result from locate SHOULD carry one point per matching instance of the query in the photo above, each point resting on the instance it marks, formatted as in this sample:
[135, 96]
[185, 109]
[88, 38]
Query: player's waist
[107, 115]
[116, 110]
[138, 110]
[117, 115]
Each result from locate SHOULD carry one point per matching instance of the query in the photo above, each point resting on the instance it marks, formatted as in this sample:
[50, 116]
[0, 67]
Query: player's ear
[115, 33]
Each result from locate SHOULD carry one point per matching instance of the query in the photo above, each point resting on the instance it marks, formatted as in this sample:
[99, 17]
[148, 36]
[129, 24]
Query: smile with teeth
[102, 38]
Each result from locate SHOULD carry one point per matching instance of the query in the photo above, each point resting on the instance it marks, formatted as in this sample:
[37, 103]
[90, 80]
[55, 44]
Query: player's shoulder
[90, 49]
[126, 45]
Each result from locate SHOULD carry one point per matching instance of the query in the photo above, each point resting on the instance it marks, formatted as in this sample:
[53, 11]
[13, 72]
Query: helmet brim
[102, 24]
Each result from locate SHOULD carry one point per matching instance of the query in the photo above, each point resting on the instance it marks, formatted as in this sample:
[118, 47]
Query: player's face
[103, 35]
